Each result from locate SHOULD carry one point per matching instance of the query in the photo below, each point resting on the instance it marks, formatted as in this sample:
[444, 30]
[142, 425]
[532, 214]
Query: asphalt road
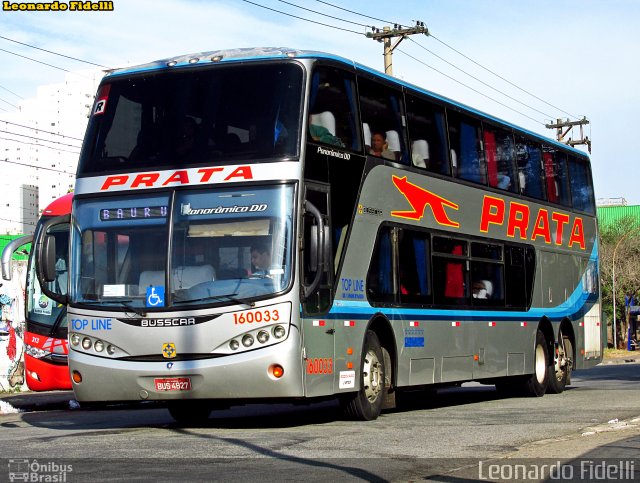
[441, 437]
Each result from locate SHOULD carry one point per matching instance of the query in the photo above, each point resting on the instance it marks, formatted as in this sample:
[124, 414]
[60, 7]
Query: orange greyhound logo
[419, 198]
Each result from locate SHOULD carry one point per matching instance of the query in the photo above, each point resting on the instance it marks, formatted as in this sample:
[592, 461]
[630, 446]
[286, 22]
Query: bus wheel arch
[382, 327]
[376, 362]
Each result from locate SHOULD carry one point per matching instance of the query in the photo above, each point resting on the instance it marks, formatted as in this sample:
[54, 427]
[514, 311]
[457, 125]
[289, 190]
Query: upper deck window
[195, 116]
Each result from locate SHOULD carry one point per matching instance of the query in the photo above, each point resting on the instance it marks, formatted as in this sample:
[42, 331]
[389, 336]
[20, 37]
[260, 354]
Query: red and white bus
[45, 337]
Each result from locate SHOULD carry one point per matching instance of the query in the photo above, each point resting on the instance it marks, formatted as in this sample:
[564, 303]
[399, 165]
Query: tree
[621, 241]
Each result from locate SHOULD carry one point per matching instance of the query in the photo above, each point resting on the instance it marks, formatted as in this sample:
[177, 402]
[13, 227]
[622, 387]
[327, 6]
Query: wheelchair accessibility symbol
[155, 296]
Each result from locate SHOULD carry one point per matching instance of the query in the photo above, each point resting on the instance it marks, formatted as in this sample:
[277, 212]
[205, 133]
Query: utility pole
[387, 34]
[569, 125]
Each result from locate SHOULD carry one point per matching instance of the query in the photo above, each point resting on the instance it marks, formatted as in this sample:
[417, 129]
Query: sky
[577, 57]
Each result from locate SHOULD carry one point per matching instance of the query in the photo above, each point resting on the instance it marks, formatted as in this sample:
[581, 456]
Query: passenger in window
[482, 289]
[379, 146]
[322, 135]
[260, 260]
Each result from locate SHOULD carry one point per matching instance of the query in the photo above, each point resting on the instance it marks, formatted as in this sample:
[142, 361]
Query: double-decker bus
[45, 335]
[273, 224]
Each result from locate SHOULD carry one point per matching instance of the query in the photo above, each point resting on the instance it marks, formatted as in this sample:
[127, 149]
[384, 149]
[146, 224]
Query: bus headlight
[263, 336]
[111, 350]
[75, 339]
[279, 332]
[98, 346]
[247, 340]
[86, 343]
[233, 345]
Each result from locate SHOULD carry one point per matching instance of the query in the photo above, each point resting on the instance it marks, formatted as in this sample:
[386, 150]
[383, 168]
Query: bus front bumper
[247, 375]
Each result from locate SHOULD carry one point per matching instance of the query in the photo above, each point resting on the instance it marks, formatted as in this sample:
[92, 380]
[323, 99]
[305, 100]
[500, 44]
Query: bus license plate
[173, 384]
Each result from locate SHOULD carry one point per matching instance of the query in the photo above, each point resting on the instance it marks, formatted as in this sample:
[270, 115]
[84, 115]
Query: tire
[190, 412]
[536, 384]
[366, 403]
[560, 373]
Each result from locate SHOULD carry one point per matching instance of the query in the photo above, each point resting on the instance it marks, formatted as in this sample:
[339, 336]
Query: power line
[41, 130]
[302, 18]
[39, 145]
[37, 167]
[502, 78]
[7, 102]
[469, 87]
[39, 139]
[466, 57]
[17, 95]
[360, 14]
[34, 60]
[325, 14]
[480, 81]
[54, 53]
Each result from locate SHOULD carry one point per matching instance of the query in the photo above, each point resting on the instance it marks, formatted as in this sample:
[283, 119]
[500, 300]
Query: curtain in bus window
[455, 276]
[348, 88]
[492, 160]
[469, 161]
[395, 105]
[421, 264]
[532, 179]
[552, 184]
[443, 160]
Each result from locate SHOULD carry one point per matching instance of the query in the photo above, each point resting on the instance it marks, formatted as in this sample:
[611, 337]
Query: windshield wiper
[125, 303]
[230, 297]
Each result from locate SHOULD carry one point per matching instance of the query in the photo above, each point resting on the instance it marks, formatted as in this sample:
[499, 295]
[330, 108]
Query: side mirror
[49, 266]
[45, 257]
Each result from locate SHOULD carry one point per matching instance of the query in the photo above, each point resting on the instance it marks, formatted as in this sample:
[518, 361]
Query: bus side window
[555, 172]
[379, 279]
[414, 267]
[530, 172]
[450, 272]
[466, 146]
[332, 109]
[427, 135]
[499, 153]
[383, 112]
[581, 186]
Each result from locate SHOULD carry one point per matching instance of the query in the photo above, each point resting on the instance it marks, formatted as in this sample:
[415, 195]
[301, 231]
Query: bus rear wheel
[536, 384]
[366, 403]
[563, 362]
[190, 411]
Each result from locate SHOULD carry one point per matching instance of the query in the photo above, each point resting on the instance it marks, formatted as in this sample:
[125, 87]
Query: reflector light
[414, 324]
[349, 323]
[77, 377]
[277, 371]
[350, 351]
[475, 357]
[491, 324]
[318, 323]
[349, 365]
[455, 324]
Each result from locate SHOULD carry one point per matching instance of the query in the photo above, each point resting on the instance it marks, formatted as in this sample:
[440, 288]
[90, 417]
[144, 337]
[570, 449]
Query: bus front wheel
[366, 403]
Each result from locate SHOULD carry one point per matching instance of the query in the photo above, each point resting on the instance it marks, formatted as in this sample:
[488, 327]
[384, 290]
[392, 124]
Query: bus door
[317, 280]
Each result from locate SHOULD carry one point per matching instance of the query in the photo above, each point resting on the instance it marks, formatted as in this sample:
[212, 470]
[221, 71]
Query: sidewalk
[626, 357]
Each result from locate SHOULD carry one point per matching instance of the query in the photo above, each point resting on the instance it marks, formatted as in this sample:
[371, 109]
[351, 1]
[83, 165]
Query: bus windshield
[224, 245]
[192, 116]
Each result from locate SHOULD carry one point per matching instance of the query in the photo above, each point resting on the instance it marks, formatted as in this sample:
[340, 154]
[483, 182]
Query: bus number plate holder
[173, 384]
